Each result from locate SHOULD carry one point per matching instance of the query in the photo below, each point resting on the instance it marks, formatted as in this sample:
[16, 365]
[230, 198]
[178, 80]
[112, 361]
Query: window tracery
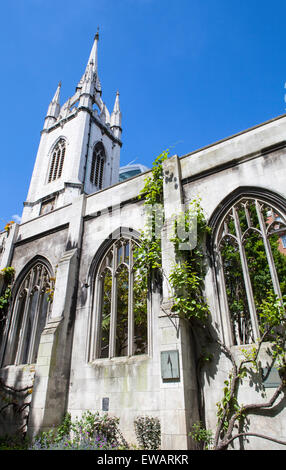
[57, 161]
[29, 315]
[250, 264]
[97, 166]
[120, 304]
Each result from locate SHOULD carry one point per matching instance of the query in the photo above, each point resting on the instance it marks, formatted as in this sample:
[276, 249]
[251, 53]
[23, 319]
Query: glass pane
[236, 293]
[140, 315]
[105, 315]
[122, 313]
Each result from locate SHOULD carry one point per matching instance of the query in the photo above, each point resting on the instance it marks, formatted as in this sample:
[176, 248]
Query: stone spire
[93, 54]
[90, 83]
[116, 117]
[53, 109]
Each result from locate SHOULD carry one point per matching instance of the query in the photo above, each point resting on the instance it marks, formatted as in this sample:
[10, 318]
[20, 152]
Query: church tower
[79, 150]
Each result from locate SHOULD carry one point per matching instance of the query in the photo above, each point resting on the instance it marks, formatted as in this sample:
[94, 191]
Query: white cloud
[17, 218]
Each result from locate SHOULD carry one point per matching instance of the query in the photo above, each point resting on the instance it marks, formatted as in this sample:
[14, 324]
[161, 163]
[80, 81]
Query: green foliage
[153, 188]
[8, 273]
[187, 276]
[258, 268]
[148, 254]
[8, 226]
[5, 299]
[96, 425]
[271, 312]
[273, 330]
[273, 326]
[148, 432]
[56, 434]
[90, 432]
[202, 435]
[228, 405]
[14, 442]
[188, 300]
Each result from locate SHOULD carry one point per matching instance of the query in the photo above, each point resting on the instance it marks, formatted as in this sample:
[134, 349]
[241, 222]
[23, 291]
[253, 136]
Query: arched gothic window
[250, 264]
[120, 305]
[29, 315]
[57, 161]
[97, 165]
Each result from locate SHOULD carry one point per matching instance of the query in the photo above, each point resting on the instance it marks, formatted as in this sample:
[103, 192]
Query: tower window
[48, 206]
[97, 165]
[57, 161]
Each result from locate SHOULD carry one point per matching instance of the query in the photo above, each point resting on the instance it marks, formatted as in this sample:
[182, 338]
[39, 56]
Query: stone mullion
[36, 316]
[13, 317]
[113, 315]
[225, 319]
[24, 319]
[130, 303]
[97, 314]
[268, 251]
[246, 276]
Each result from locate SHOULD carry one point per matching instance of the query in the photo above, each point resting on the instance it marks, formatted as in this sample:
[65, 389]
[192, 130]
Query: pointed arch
[247, 258]
[97, 165]
[119, 319]
[28, 314]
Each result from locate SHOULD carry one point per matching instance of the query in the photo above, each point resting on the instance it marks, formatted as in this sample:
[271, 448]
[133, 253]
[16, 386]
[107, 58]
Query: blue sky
[189, 73]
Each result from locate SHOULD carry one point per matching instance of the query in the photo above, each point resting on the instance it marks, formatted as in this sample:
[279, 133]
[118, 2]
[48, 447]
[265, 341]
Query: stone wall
[66, 379]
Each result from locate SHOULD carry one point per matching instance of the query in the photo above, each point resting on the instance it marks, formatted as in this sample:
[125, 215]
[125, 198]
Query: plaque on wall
[270, 378]
[105, 404]
[170, 370]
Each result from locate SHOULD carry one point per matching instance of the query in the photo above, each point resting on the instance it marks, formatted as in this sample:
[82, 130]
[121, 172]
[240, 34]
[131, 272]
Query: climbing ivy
[187, 276]
[148, 254]
[188, 302]
[8, 274]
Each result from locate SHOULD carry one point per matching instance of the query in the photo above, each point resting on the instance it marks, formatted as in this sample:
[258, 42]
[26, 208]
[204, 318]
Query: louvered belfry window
[57, 161]
[97, 166]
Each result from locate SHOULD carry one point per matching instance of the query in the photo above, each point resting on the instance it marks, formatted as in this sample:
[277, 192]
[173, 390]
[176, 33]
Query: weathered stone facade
[70, 240]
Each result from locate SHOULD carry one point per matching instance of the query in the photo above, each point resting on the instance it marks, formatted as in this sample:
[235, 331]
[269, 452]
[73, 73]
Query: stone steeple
[64, 167]
[89, 86]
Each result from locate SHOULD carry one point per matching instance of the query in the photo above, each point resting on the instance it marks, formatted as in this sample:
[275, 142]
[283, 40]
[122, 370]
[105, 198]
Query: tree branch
[247, 409]
[16, 390]
[224, 445]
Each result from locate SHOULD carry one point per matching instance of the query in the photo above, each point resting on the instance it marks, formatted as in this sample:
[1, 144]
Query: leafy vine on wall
[188, 302]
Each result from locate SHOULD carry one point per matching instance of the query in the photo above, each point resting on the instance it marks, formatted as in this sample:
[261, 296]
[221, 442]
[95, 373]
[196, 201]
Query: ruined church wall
[131, 384]
[31, 243]
[244, 161]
